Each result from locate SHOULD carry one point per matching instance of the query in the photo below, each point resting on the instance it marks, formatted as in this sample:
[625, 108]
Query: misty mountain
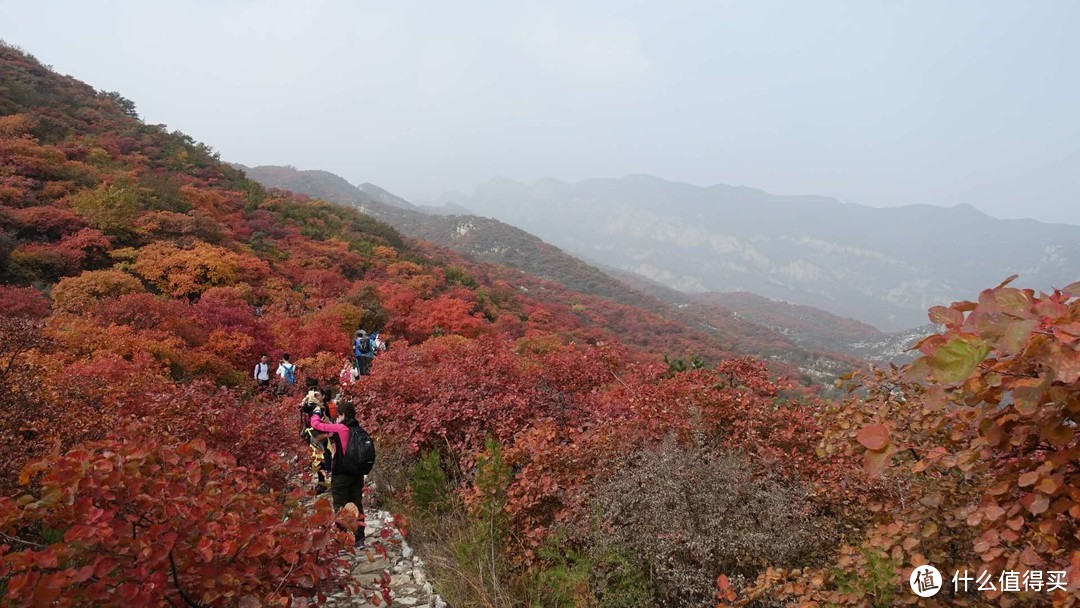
[483, 238]
[496, 242]
[883, 266]
[808, 327]
[814, 329]
[377, 194]
[331, 187]
[316, 184]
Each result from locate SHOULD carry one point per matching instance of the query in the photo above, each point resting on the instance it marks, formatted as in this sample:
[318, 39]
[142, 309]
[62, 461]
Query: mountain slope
[493, 241]
[807, 326]
[141, 278]
[482, 238]
[881, 266]
[148, 277]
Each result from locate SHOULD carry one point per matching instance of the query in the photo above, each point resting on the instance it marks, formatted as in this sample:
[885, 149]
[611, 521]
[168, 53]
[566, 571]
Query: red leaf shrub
[137, 524]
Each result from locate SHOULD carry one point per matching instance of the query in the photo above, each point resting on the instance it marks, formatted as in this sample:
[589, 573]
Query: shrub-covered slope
[489, 240]
[141, 280]
[532, 434]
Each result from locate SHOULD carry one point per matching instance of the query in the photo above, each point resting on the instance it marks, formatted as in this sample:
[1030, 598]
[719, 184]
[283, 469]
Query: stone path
[409, 587]
[408, 582]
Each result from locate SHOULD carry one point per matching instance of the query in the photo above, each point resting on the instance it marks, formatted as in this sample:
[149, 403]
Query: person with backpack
[354, 456]
[262, 371]
[363, 352]
[287, 372]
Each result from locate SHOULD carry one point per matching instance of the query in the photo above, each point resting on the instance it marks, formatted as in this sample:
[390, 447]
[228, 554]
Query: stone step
[409, 584]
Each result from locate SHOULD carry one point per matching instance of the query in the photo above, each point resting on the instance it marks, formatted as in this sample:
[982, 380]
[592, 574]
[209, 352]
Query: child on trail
[262, 371]
[349, 465]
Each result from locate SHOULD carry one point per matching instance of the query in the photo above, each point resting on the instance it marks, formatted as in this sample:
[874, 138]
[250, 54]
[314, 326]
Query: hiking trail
[409, 585]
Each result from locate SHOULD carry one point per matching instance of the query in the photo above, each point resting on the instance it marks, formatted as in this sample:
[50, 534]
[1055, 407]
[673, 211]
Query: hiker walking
[348, 373]
[378, 345]
[354, 455]
[314, 394]
[286, 371]
[363, 352]
[262, 371]
[329, 404]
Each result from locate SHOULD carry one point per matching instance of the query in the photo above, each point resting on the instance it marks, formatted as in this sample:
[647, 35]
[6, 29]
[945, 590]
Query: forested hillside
[490, 240]
[482, 238]
[807, 326]
[538, 449]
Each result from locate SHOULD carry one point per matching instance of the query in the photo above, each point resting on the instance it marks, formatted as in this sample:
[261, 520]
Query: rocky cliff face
[881, 266]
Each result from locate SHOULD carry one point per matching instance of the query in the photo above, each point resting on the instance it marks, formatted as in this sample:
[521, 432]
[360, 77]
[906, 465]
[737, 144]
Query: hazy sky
[881, 103]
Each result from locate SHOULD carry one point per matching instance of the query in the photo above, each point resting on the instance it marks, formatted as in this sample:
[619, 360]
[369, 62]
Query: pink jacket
[341, 430]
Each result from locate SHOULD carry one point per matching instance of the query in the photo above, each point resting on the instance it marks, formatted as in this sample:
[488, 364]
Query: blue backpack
[290, 374]
[362, 347]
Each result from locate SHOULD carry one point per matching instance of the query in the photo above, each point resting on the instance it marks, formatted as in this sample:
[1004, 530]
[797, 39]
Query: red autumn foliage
[973, 452]
[146, 526]
[24, 302]
[152, 462]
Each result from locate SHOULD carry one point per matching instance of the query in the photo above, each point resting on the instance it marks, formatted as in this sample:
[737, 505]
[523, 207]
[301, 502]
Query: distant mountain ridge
[314, 183]
[379, 195]
[331, 187]
[483, 238]
[490, 240]
[883, 266]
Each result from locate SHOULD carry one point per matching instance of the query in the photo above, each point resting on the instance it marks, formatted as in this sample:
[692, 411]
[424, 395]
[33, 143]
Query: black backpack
[359, 456]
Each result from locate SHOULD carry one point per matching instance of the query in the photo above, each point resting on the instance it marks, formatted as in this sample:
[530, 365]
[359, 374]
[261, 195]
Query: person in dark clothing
[363, 352]
[344, 487]
[328, 401]
[315, 404]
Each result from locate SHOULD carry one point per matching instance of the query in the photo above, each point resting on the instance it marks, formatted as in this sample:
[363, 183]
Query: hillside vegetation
[538, 448]
[490, 240]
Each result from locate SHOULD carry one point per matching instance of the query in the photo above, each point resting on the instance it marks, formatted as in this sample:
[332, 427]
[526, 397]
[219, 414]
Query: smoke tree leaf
[952, 362]
[874, 437]
[943, 315]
